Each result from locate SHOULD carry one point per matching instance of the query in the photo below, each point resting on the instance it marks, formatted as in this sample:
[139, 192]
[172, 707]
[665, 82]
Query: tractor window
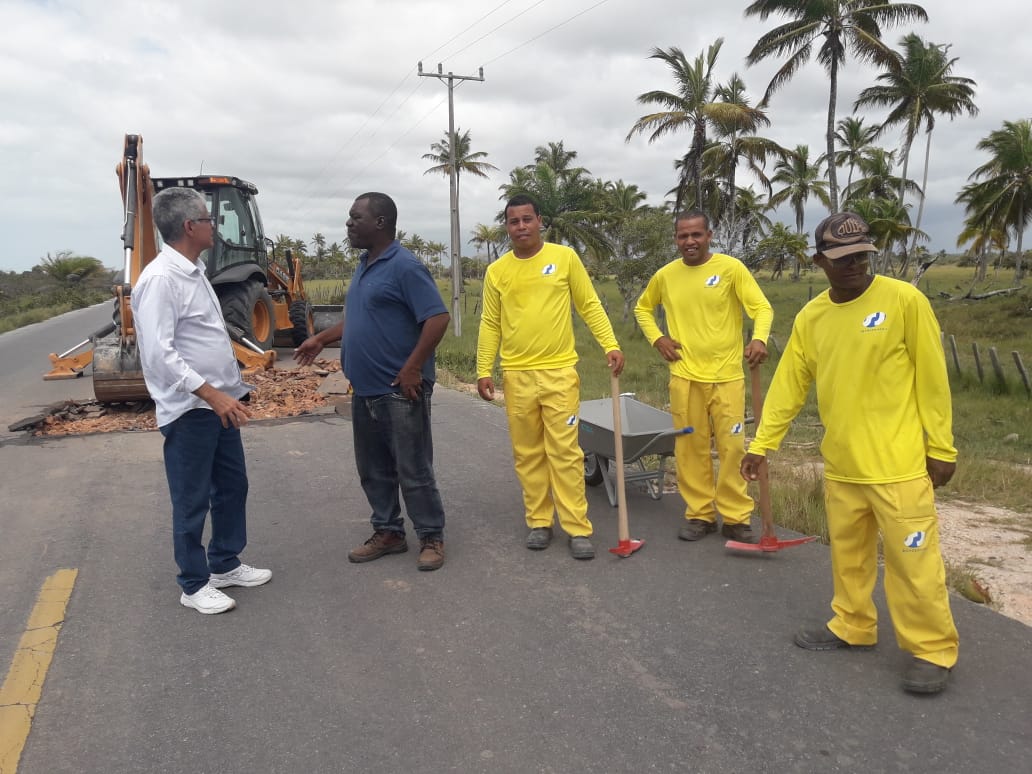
[237, 243]
[235, 224]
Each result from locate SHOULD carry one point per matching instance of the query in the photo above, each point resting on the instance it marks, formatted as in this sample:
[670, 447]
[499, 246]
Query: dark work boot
[925, 677]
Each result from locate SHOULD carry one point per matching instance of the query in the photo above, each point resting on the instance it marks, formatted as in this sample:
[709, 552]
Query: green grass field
[994, 467]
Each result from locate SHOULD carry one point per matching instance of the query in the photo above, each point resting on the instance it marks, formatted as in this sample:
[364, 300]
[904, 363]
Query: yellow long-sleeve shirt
[526, 311]
[703, 307]
[882, 388]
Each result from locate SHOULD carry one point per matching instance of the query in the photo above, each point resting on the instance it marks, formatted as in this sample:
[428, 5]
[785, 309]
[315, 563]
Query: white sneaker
[244, 575]
[208, 600]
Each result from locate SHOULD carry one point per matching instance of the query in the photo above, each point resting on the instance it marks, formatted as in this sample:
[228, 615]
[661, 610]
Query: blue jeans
[204, 464]
[394, 450]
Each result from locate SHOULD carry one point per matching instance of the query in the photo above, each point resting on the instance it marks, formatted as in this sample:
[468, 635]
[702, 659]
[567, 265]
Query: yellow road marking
[23, 686]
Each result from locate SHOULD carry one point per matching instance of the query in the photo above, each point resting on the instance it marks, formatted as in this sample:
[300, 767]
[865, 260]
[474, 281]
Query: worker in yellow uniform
[526, 314]
[703, 296]
[872, 346]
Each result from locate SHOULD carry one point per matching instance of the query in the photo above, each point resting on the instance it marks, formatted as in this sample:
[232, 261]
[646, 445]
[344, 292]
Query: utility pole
[456, 240]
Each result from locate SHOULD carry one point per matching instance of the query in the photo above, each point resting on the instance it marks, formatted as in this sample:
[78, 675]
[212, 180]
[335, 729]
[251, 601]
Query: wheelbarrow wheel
[592, 470]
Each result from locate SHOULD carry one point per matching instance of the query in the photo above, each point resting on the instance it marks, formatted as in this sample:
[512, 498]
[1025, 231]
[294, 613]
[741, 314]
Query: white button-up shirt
[181, 336]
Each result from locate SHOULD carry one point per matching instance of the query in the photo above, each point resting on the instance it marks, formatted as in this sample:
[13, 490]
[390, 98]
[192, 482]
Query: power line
[504, 23]
[550, 29]
[308, 196]
[460, 34]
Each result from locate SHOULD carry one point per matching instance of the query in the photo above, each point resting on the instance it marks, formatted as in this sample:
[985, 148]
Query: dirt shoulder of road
[994, 545]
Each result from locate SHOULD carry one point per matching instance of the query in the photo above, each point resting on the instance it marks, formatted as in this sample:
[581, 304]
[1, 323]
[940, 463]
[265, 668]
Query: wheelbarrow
[644, 429]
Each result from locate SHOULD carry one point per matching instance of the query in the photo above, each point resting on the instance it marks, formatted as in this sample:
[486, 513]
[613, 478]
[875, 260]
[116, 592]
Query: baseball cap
[842, 234]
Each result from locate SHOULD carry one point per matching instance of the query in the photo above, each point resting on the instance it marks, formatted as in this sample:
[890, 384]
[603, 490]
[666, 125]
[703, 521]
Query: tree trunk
[698, 144]
[830, 137]
[1019, 270]
[905, 168]
[924, 187]
[799, 230]
[732, 226]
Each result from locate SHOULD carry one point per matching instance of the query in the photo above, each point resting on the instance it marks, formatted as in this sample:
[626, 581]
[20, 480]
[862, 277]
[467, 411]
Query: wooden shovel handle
[623, 529]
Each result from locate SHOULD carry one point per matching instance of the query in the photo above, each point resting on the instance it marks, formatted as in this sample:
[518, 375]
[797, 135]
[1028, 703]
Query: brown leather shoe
[381, 543]
[431, 554]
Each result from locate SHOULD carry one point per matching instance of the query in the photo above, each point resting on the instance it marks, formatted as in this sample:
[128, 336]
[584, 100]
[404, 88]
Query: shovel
[769, 542]
[626, 546]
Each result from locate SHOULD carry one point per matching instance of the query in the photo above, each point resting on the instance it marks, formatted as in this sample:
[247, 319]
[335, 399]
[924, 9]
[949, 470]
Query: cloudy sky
[316, 101]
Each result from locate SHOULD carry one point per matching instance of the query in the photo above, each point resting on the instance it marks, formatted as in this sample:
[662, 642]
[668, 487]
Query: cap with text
[842, 234]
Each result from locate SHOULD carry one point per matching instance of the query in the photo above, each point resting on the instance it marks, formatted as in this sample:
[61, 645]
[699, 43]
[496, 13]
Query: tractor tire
[592, 469]
[248, 306]
[302, 318]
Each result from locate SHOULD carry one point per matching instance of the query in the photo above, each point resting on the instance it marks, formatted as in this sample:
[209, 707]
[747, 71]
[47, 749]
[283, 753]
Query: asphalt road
[678, 658]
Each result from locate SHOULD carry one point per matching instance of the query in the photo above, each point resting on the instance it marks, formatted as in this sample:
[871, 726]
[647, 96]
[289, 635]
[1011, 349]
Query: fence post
[997, 368]
[978, 361]
[953, 349]
[1022, 371]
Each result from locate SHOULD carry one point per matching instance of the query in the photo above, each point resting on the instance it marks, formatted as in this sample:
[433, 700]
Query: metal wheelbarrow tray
[644, 430]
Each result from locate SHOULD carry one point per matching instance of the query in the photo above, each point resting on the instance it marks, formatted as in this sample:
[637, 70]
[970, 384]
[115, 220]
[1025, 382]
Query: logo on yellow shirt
[736, 428]
[549, 269]
[874, 320]
[712, 282]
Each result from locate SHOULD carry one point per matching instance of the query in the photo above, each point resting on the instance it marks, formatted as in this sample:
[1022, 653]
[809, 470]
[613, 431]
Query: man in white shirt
[192, 375]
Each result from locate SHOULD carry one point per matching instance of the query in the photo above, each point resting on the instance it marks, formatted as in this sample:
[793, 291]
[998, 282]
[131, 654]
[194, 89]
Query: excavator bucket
[117, 374]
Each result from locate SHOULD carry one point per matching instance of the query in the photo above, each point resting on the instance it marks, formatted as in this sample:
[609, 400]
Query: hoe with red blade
[769, 542]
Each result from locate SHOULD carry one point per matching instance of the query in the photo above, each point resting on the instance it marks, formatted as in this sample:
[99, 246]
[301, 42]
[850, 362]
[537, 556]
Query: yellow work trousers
[543, 408]
[717, 412]
[915, 579]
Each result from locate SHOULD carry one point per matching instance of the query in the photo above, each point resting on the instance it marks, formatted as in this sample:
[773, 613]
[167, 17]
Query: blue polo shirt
[384, 311]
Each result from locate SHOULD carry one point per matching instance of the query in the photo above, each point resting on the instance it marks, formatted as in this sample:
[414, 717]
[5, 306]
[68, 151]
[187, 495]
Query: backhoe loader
[262, 302]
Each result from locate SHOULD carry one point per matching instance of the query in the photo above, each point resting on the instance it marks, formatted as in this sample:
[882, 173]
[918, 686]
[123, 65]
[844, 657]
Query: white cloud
[317, 101]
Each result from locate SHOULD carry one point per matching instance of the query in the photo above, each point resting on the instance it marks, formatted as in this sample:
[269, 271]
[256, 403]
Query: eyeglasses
[847, 260]
[209, 219]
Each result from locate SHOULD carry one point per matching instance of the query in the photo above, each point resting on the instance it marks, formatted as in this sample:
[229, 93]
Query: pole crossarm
[456, 241]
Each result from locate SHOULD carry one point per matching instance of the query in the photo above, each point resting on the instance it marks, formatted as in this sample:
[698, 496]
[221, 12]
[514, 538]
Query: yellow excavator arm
[117, 374]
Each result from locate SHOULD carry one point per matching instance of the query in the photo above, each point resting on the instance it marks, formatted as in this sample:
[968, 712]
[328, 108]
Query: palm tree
[854, 139]
[416, 245]
[878, 179]
[800, 180]
[282, 244]
[319, 243]
[558, 158]
[1001, 197]
[982, 241]
[838, 25]
[465, 159]
[782, 245]
[890, 223]
[737, 142]
[918, 90]
[691, 107]
[566, 198]
[489, 238]
[65, 266]
[751, 213]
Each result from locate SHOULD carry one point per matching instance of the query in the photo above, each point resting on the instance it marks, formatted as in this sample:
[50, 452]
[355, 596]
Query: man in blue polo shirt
[394, 318]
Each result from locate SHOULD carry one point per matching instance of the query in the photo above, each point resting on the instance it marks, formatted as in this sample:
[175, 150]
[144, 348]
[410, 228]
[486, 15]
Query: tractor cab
[240, 251]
